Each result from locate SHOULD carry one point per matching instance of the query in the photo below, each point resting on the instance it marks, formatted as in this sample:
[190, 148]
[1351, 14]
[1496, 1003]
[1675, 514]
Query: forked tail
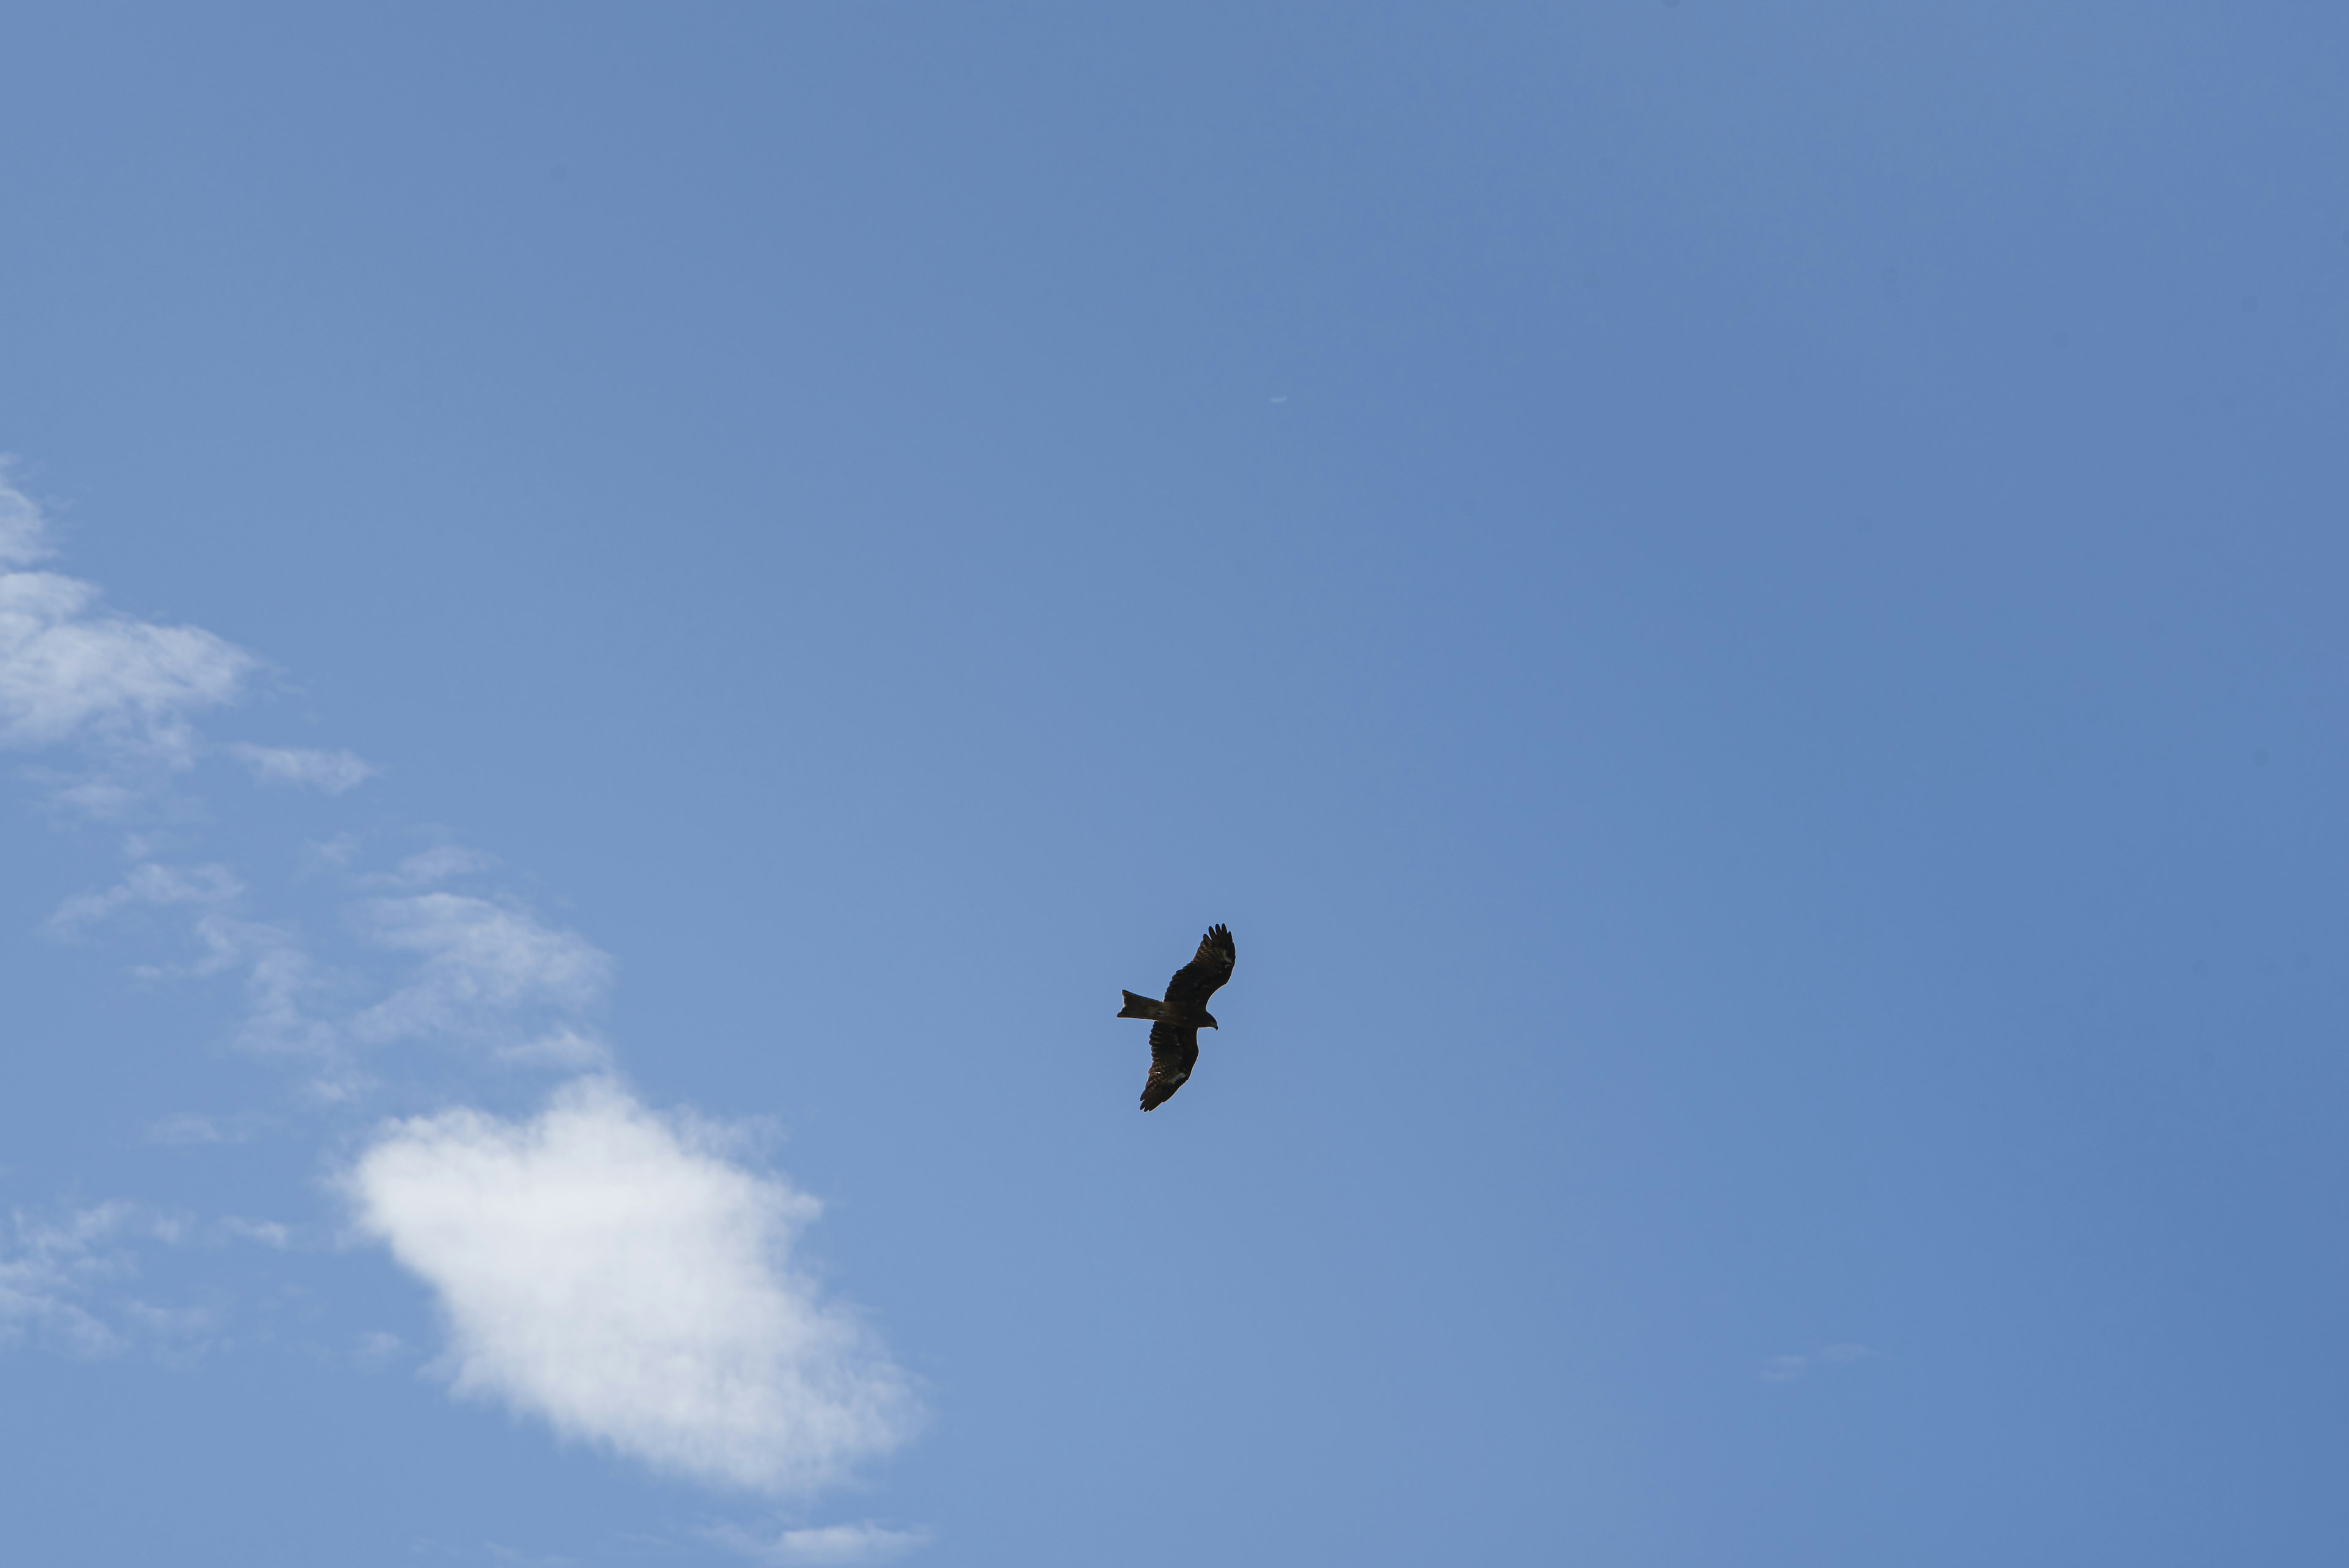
[1141, 1007]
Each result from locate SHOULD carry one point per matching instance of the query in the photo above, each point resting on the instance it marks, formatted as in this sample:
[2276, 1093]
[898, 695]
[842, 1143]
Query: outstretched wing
[1174, 1051]
[1208, 969]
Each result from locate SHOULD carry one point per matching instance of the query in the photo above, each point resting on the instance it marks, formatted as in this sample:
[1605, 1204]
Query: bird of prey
[1176, 1022]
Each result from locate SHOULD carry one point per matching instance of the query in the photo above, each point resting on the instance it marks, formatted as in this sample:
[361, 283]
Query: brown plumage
[1176, 1022]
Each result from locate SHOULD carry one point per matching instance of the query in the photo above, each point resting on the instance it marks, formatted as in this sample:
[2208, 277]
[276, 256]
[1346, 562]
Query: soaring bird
[1176, 1022]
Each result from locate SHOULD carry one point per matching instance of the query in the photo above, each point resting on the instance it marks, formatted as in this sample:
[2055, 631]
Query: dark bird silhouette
[1176, 1022]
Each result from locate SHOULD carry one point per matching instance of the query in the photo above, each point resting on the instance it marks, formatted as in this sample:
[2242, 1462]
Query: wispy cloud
[1787, 1368]
[188, 1127]
[148, 883]
[562, 1050]
[23, 531]
[71, 669]
[281, 985]
[612, 1271]
[95, 796]
[428, 866]
[485, 967]
[485, 972]
[865, 1542]
[332, 772]
[53, 1272]
[48, 1270]
[267, 1233]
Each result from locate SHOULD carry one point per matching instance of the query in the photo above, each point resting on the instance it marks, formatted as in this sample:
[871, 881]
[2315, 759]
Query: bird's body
[1175, 1023]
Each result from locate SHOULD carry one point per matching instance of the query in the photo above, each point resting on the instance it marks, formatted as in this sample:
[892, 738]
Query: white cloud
[564, 1049]
[147, 884]
[52, 1271]
[68, 669]
[280, 978]
[194, 1128]
[47, 1268]
[332, 772]
[97, 798]
[611, 1271]
[866, 1542]
[483, 965]
[427, 866]
[331, 854]
[267, 1233]
[1787, 1368]
[171, 1323]
[487, 973]
[23, 531]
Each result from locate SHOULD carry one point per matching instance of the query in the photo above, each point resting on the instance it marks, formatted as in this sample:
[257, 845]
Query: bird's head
[1207, 1021]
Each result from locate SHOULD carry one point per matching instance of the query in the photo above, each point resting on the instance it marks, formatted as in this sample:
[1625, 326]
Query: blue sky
[619, 626]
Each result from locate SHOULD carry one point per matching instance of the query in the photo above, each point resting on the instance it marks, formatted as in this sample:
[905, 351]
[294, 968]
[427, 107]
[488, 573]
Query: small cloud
[603, 1268]
[865, 1542]
[171, 1323]
[376, 1349]
[52, 1274]
[147, 884]
[332, 772]
[484, 966]
[267, 1233]
[487, 1551]
[69, 670]
[196, 1129]
[279, 981]
[192, 1127]
[100, 800]
[330, 854]
[227, 943]
[47, 1268]
[1787, 1368]
[23, 531]
[564, 1049]
[428, 866]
